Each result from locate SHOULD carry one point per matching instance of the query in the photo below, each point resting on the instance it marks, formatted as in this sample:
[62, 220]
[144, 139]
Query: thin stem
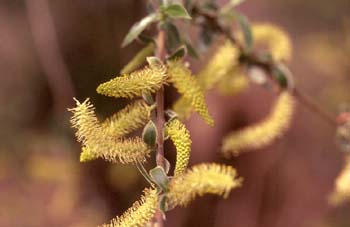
[160, 117]
[253, 59]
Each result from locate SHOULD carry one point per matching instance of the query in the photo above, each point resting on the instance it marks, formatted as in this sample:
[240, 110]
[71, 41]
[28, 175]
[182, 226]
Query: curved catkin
[264, 132]
[182, 141]
[218, 66]
[341, 192]
[149, 79]
[188, 86]
[233, 82]
[132, 117]
[98, 143]
[276, 39]
[138, 59]
[140, 213]
[202, 179]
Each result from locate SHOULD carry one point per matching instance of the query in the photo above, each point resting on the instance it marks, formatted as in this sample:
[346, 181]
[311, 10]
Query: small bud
[149, 134]
[160, 178]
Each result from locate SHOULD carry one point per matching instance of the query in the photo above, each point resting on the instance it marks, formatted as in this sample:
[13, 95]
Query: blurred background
[53, 50]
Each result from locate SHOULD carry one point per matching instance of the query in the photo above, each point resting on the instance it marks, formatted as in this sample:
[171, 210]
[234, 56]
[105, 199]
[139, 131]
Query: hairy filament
[148, 79]
[98, 143]
[188, 86]
[342, 186]
[138, 59]
[264, 132]
[127, 120]
[276, 39]
[202, 179]
[182, 141]
[140, 213]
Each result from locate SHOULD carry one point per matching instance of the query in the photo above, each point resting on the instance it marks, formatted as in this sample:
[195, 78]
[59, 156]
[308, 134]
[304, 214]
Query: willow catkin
[188, 86]
[140, 213]
[98, 143]
[263, 133]
[149, 79]
[200, 180]
[182, 141]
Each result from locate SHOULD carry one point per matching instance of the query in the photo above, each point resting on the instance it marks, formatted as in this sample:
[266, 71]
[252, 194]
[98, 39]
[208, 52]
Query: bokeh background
[53, 50]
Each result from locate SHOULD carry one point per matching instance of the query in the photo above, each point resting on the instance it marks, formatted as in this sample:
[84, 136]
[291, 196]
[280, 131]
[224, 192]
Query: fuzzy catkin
[182, 141]
[149, 79]
[200, 180]
[140, 213]
[98, 143]
[264, 132]
[188, 86]
[276, 39]
[125, 121]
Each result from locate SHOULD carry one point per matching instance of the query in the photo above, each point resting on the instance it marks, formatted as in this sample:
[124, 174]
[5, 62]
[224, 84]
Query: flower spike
[182, 141]
[202, 179]
[263, 133]
[188, 86]
[140, 213]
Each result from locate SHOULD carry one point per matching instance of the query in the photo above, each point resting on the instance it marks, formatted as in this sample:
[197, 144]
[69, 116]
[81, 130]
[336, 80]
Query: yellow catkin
[218, 66]
[188, 86]
[264, 132]
[148, 79]
[140, 213]
[128, 119]
[97, 143]
[342, 186]
[233, 82]
[275, 38]
[202, 179]
[182, 141]
[139, 59]
[217, 69]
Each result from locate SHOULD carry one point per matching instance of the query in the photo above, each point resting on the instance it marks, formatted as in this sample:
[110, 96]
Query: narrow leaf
[160, 178]
[177, 11]
[139, 27]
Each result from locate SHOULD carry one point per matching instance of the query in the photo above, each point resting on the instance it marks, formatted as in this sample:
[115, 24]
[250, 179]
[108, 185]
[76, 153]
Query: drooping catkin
[128, 119]
[149, 79]
[275, 38]
[264, 132]
[140, 213]
[202, 179]
[188, 86]
[181, 138]
[341, 191]
[98, 143]
[138, 59]
[233, 82]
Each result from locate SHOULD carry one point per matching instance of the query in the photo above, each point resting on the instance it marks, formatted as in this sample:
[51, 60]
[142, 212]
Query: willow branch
[252, 59]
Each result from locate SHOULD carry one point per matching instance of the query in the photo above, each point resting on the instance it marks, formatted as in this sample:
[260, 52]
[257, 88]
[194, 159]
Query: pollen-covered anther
[140, 213]
[188, 86]
[264, 132]
[200, 180]
[182, 141]
[149, 79]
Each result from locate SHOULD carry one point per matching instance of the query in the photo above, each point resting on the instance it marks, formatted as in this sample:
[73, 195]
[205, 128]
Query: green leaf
[160, 178]
[176, 11]
[283, 76]
[149, 134]
[191, 50]
[139, 27]
[173, 39]
[148, 97]
[246, 29]
[178, 53]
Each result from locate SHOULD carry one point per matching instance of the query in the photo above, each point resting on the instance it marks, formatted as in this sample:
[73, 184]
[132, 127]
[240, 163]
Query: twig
[160, 117]
[267, 65]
